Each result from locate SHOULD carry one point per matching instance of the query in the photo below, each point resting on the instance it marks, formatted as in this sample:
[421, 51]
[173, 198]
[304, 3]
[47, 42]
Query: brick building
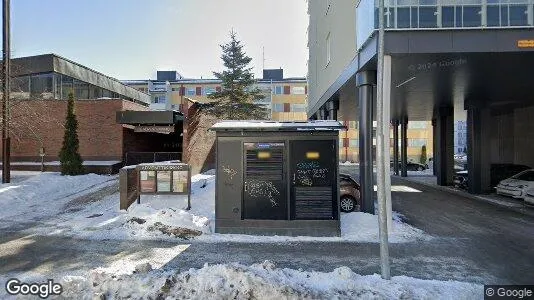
[39, 88]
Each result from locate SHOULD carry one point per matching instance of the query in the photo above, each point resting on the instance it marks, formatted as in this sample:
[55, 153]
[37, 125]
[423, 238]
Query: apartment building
[285, 98]
[463, 65]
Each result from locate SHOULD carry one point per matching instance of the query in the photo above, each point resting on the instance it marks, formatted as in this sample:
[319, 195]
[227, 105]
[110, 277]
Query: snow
[41, 195]
[57, 163]
[156, 216]
[260, 281]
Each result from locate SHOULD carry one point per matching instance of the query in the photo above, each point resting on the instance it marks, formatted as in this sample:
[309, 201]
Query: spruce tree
[236, 99]
[69, 157]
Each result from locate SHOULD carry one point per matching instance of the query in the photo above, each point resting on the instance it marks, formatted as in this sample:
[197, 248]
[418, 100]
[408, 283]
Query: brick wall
[39, 123]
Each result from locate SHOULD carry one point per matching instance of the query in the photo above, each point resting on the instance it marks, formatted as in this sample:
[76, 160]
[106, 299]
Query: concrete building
[285, 98]
[443, 56]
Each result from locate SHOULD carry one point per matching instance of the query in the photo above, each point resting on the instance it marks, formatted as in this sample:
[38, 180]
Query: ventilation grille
[313, 203]
[269, 169]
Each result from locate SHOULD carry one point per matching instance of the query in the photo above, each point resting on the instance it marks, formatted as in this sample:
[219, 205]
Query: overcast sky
[131, 39]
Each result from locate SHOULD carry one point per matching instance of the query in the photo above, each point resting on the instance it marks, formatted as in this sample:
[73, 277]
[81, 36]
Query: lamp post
[6, 174]
[382, 128]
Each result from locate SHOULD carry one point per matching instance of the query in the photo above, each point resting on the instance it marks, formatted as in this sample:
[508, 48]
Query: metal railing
[135, 158]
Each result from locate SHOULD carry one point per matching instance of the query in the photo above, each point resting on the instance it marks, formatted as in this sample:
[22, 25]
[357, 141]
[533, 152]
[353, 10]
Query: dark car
[349, 194]
[412, 166]
[498, 172]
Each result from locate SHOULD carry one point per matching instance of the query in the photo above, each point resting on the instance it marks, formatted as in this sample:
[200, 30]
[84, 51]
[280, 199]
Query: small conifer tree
[69, 156]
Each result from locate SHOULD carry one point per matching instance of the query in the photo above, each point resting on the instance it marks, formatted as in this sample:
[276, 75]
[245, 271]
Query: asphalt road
[473, 241]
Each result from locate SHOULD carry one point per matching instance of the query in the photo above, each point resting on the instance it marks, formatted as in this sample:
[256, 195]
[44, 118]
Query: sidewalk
[497, 200]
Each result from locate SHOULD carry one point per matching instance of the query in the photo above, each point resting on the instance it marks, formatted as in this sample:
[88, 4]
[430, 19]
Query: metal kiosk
[167, 178]
[277, 177]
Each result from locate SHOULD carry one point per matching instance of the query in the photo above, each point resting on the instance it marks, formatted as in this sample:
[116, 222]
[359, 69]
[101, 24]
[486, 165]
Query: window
[287, 90]
[287, 107]
[417, 124]
[328, 49]
[278, 90]
[94, 92]
[41, 86]
[298, 90]
[20, 87]
[198, 91]
[209, 91]
[278, 107]
[525, 175]
[298, 107]
[160, 99]
[191, 92]
[416, 142]
[81, 89]
[518, 15]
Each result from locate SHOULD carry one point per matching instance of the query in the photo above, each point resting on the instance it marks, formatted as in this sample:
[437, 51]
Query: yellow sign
[264, 155]
[312, 155]
[525, 43]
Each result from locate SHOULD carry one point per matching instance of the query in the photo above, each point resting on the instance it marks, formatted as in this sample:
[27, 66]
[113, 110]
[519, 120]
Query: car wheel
[420, 168]
[348, 204]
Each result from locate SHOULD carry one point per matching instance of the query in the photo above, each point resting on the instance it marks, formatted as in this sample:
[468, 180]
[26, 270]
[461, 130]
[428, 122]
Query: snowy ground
[33, 196]
[157, 217]
[63, 206]
[261, 281]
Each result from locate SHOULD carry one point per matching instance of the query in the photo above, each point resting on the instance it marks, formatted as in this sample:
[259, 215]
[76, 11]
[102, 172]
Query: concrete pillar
[321, 113]
[434, 149]
[478, 150]
[332, 107]
[364, 82]
[404, 147]
[445, 145]
[396, 147]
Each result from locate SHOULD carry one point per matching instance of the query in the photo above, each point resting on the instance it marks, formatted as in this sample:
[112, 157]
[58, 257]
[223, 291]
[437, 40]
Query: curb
[523, 209]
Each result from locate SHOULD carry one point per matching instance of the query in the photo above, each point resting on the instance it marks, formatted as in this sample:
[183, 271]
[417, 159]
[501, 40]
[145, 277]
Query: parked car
[349, 194]
[412, 166]
[498, 172]
[517, 185]
[529, 197]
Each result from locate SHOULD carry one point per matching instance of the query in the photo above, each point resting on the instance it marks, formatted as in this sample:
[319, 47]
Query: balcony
[443, 14]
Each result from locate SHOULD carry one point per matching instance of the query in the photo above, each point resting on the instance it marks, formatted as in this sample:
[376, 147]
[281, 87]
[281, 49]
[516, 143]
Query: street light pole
[6, 174]
[382, 128]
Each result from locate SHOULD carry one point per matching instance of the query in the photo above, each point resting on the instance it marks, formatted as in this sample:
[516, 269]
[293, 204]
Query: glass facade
[57, 86]
[425, 14]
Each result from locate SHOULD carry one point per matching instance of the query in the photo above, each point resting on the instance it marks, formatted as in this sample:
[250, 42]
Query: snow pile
[428, 171]
[164, 217]
[262, 281]
[156, 217]
[45, 194]
[363, 227]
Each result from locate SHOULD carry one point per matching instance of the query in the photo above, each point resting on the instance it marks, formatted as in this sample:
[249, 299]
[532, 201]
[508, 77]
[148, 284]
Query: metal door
[313, 183]
[264, 191]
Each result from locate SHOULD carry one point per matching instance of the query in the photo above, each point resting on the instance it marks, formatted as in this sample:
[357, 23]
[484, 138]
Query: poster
[164, 181]
[179, 181]
[148, 181]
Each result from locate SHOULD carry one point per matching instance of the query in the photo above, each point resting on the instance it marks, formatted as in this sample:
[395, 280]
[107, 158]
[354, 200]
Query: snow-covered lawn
[34, 195]
[163, 217]
[261, 281]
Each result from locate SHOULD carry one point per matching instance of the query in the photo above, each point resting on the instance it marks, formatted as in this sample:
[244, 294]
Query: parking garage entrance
[151, 136]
